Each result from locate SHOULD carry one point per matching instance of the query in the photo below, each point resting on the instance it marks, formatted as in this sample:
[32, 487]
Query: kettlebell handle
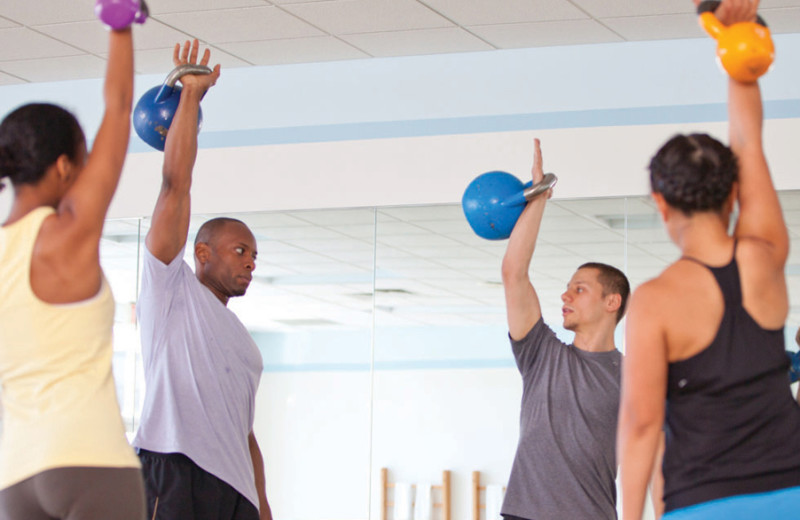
[531, 191]
[177, 73]
[709, 6]
[548, 181]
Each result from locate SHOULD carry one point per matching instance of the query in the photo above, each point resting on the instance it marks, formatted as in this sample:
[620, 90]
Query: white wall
[416, 130]
[442, 398]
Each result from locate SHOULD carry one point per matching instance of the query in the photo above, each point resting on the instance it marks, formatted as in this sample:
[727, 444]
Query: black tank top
[732, 426]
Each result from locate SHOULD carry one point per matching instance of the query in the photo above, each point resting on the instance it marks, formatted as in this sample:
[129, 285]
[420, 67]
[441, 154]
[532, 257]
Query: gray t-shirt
[565, 463]
[201, 369]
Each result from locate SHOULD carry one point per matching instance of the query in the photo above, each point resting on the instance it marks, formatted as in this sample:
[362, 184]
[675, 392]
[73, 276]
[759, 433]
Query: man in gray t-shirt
[565, 465]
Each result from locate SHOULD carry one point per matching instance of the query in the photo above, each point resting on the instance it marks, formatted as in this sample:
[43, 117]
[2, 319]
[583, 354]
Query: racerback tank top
[732, 426]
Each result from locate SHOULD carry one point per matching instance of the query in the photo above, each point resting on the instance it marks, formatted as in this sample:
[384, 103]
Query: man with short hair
[200, 458]
[565, 465]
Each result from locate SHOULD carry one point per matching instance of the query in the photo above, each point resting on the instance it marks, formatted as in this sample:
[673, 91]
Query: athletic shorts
[774, 505]
[76, 493]
[179, 489]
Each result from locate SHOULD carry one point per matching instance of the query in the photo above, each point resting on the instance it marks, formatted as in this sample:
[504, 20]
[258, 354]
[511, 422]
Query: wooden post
[476, 495]
[384, 492]
[446, 497]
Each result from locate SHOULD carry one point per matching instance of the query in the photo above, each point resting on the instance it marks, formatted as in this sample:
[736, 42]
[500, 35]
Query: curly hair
[694, 173]
[33, 137]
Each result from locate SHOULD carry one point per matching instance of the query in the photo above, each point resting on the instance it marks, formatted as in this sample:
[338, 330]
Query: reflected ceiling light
[647, 221]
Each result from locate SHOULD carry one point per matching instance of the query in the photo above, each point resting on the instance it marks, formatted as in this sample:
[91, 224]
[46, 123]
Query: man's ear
[202, 252]
[613, 302]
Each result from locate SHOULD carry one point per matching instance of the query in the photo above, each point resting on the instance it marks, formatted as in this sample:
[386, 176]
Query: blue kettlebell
[794, 368]
[153, 114]
[493, 202]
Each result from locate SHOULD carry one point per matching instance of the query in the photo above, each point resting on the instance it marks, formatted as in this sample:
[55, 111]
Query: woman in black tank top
[705, 363]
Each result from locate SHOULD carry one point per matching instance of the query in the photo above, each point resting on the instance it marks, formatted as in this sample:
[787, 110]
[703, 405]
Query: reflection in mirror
[309, 309]
[118, 257]
[447, 389]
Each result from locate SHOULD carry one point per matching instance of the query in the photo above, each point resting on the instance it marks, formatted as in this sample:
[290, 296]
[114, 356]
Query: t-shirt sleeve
[529, 349]
[159, 285]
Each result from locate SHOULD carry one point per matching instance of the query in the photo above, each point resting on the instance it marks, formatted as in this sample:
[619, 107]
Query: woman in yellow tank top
[63, 452]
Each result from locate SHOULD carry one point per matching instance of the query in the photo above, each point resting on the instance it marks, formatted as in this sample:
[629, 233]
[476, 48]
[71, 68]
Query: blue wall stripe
[715, 112]
[449, 364]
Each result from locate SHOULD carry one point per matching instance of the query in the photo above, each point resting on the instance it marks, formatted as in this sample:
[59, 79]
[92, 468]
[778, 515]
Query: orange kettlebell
[744, 49]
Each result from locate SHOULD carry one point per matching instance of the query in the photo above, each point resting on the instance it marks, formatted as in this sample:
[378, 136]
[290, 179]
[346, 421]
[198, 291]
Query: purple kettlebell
[120, 14]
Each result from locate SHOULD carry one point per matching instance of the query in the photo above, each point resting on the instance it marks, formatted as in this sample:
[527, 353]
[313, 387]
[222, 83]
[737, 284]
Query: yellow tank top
[59, 401]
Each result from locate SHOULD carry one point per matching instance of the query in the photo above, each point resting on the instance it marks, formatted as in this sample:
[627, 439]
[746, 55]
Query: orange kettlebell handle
[711, 25]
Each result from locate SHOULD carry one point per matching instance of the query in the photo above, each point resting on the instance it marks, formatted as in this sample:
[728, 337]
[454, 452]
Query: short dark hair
[211, 227]
[694, 173]
[613, 281]
[33, 137]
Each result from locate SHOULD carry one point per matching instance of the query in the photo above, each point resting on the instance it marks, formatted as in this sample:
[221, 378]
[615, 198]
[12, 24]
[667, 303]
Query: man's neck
[599, 340]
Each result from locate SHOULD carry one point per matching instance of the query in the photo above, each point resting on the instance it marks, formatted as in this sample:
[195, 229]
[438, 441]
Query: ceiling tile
[605, 8]
[5, 24]
[361, 16]
[577, 32]
[93, 37]
[89, 36]
[57, 69]
[295, 50]
[157, 61]
[240, 25]
[665, 27]
[22, 44]
[156, 35]
[158, 7]
[39, 12]
[425, 41]
[427, 213]
[767, 4]
[6, 79]
[782, 20]
[481, 12]
[334, 217]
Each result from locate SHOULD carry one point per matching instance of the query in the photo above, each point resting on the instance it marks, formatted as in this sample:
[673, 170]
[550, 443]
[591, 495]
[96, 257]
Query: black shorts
[179, 489]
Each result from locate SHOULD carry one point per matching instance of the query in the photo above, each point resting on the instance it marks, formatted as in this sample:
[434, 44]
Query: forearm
[657, 479]
[88, 199]
[522, 242]
[180, 149]
[637, 447]
[260, 479]
[745, 115]
[118, 87]
[759, 207]
[522, 303]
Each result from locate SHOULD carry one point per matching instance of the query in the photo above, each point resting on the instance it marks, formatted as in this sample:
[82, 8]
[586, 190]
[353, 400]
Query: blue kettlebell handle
[531, 190]
[177, 73]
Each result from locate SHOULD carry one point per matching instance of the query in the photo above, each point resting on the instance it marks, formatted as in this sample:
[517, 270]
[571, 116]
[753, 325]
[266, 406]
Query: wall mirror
[384, 340]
